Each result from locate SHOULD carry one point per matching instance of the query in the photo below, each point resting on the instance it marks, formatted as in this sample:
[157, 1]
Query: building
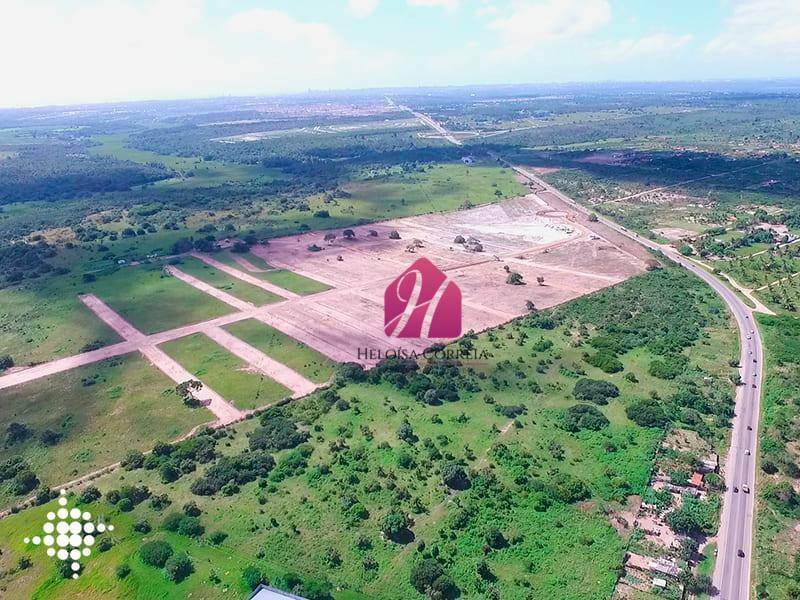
[264, 592]
[696, 480]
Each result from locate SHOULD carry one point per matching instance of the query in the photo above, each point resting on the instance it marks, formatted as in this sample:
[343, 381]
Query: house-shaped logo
[421, 302]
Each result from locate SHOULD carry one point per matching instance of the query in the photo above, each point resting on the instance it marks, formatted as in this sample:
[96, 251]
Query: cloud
[362, 8]
[531, 23]
[649, 46]
[449, 5]
[759, 26]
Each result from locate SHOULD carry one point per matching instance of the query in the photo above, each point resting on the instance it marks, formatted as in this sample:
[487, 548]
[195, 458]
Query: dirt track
[264, 285]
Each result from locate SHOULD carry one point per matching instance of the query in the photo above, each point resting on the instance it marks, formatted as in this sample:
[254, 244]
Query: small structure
[664, 566]
[264, 592]
[658, 582]
[696, 480]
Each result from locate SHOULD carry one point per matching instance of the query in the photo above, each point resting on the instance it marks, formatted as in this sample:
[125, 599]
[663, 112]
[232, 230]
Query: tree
[329, 237]
[155, 553]
[179, 567]
[428, 577]
[530, 306]
[394, 235]
[459, 239]
[349, 234]
[514, 278]
[584, 416]
[133, 460]
[595, 390]
[495, 538]
[540, 280]
[688, 548]
[593, 218]
[454, 476]
[6, 362]
[647, 413]
[406, 433]
[394, 524]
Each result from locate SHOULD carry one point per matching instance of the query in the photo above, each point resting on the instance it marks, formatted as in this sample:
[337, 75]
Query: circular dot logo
[68, 534]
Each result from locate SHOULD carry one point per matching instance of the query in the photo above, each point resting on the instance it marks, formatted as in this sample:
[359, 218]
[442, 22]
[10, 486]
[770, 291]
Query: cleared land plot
[239, 260]
[284, 349]
[293, 282]
[153, 301]
[100, 411]
[223, 281]
[226, 374]
[524, 234]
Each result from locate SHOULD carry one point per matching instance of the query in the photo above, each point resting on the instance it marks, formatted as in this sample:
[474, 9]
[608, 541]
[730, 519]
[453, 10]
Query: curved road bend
[732, 572]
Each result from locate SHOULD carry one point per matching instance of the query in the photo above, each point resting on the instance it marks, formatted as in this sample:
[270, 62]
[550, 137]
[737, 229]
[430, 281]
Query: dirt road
[264, 285]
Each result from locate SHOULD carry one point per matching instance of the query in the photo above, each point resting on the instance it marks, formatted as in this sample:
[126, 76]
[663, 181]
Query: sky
[77, 51]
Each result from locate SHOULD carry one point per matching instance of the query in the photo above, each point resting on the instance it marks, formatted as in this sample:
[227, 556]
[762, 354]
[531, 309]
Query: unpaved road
[225, 297]
[284, 375]
[264, 285]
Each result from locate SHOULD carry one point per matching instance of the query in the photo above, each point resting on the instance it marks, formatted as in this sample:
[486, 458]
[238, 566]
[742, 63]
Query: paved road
[732, 573]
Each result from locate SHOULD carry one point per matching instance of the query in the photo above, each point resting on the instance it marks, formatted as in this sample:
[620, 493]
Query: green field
[550, 490]
[776, 543]
[100, 411]
[41, 323]
[154, 301]
[226, 374]
[191, 172]
[223, 281]
[293, 282]
[284, 349]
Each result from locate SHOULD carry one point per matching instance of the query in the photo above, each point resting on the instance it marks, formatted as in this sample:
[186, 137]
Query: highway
[735, 536]
[732, 572]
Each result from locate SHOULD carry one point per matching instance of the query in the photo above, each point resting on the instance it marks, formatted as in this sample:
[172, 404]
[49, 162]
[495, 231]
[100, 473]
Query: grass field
[299, 518]
[192, 172]
[236, 381]
[284, 349]
[100, 411]
[46, 321]
[223, 281]
[293, 282]
[226, 257]
[776, 539]
[153, 301]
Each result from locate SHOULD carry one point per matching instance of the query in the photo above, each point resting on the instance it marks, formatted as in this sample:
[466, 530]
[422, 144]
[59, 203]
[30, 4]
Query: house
[696, 480]
[264, 592]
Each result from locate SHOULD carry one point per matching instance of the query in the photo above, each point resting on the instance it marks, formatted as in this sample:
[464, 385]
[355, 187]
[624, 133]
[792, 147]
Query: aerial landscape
[330, 321]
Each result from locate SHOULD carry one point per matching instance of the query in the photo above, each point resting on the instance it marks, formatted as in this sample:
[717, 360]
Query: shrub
[428, 577]
[647, 413]
[123, 571]
[155, 553]
[495, 538]
[594, 390]
[142, 526]
[90, 494]
[454, 476]
[252, 577]
[394, 524]
[133, 460]
[178, 567]
[584, 416]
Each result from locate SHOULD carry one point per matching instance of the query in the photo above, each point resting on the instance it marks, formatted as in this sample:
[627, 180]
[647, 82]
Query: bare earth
[536, 235]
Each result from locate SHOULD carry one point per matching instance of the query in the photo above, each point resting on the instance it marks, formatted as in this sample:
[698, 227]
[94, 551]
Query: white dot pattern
[73, 537]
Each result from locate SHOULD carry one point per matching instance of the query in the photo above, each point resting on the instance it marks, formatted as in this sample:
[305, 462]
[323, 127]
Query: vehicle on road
[740, 553]
[749, 428]
[735, 490]
[747, 452]
[746, 489]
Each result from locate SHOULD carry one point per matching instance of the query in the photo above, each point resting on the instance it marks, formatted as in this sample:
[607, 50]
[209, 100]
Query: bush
[142, 526]
[605, 361]
[155, 553]
[454, 476]
[647, 413]
[495, 538]
[252, 577]
[276, 433]
[584, 416]
[178, 567]
[6, 362]
[123, 571]
[428, 577]
[393, 525]
[90, 494]
[133, 460]
[594, 390]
